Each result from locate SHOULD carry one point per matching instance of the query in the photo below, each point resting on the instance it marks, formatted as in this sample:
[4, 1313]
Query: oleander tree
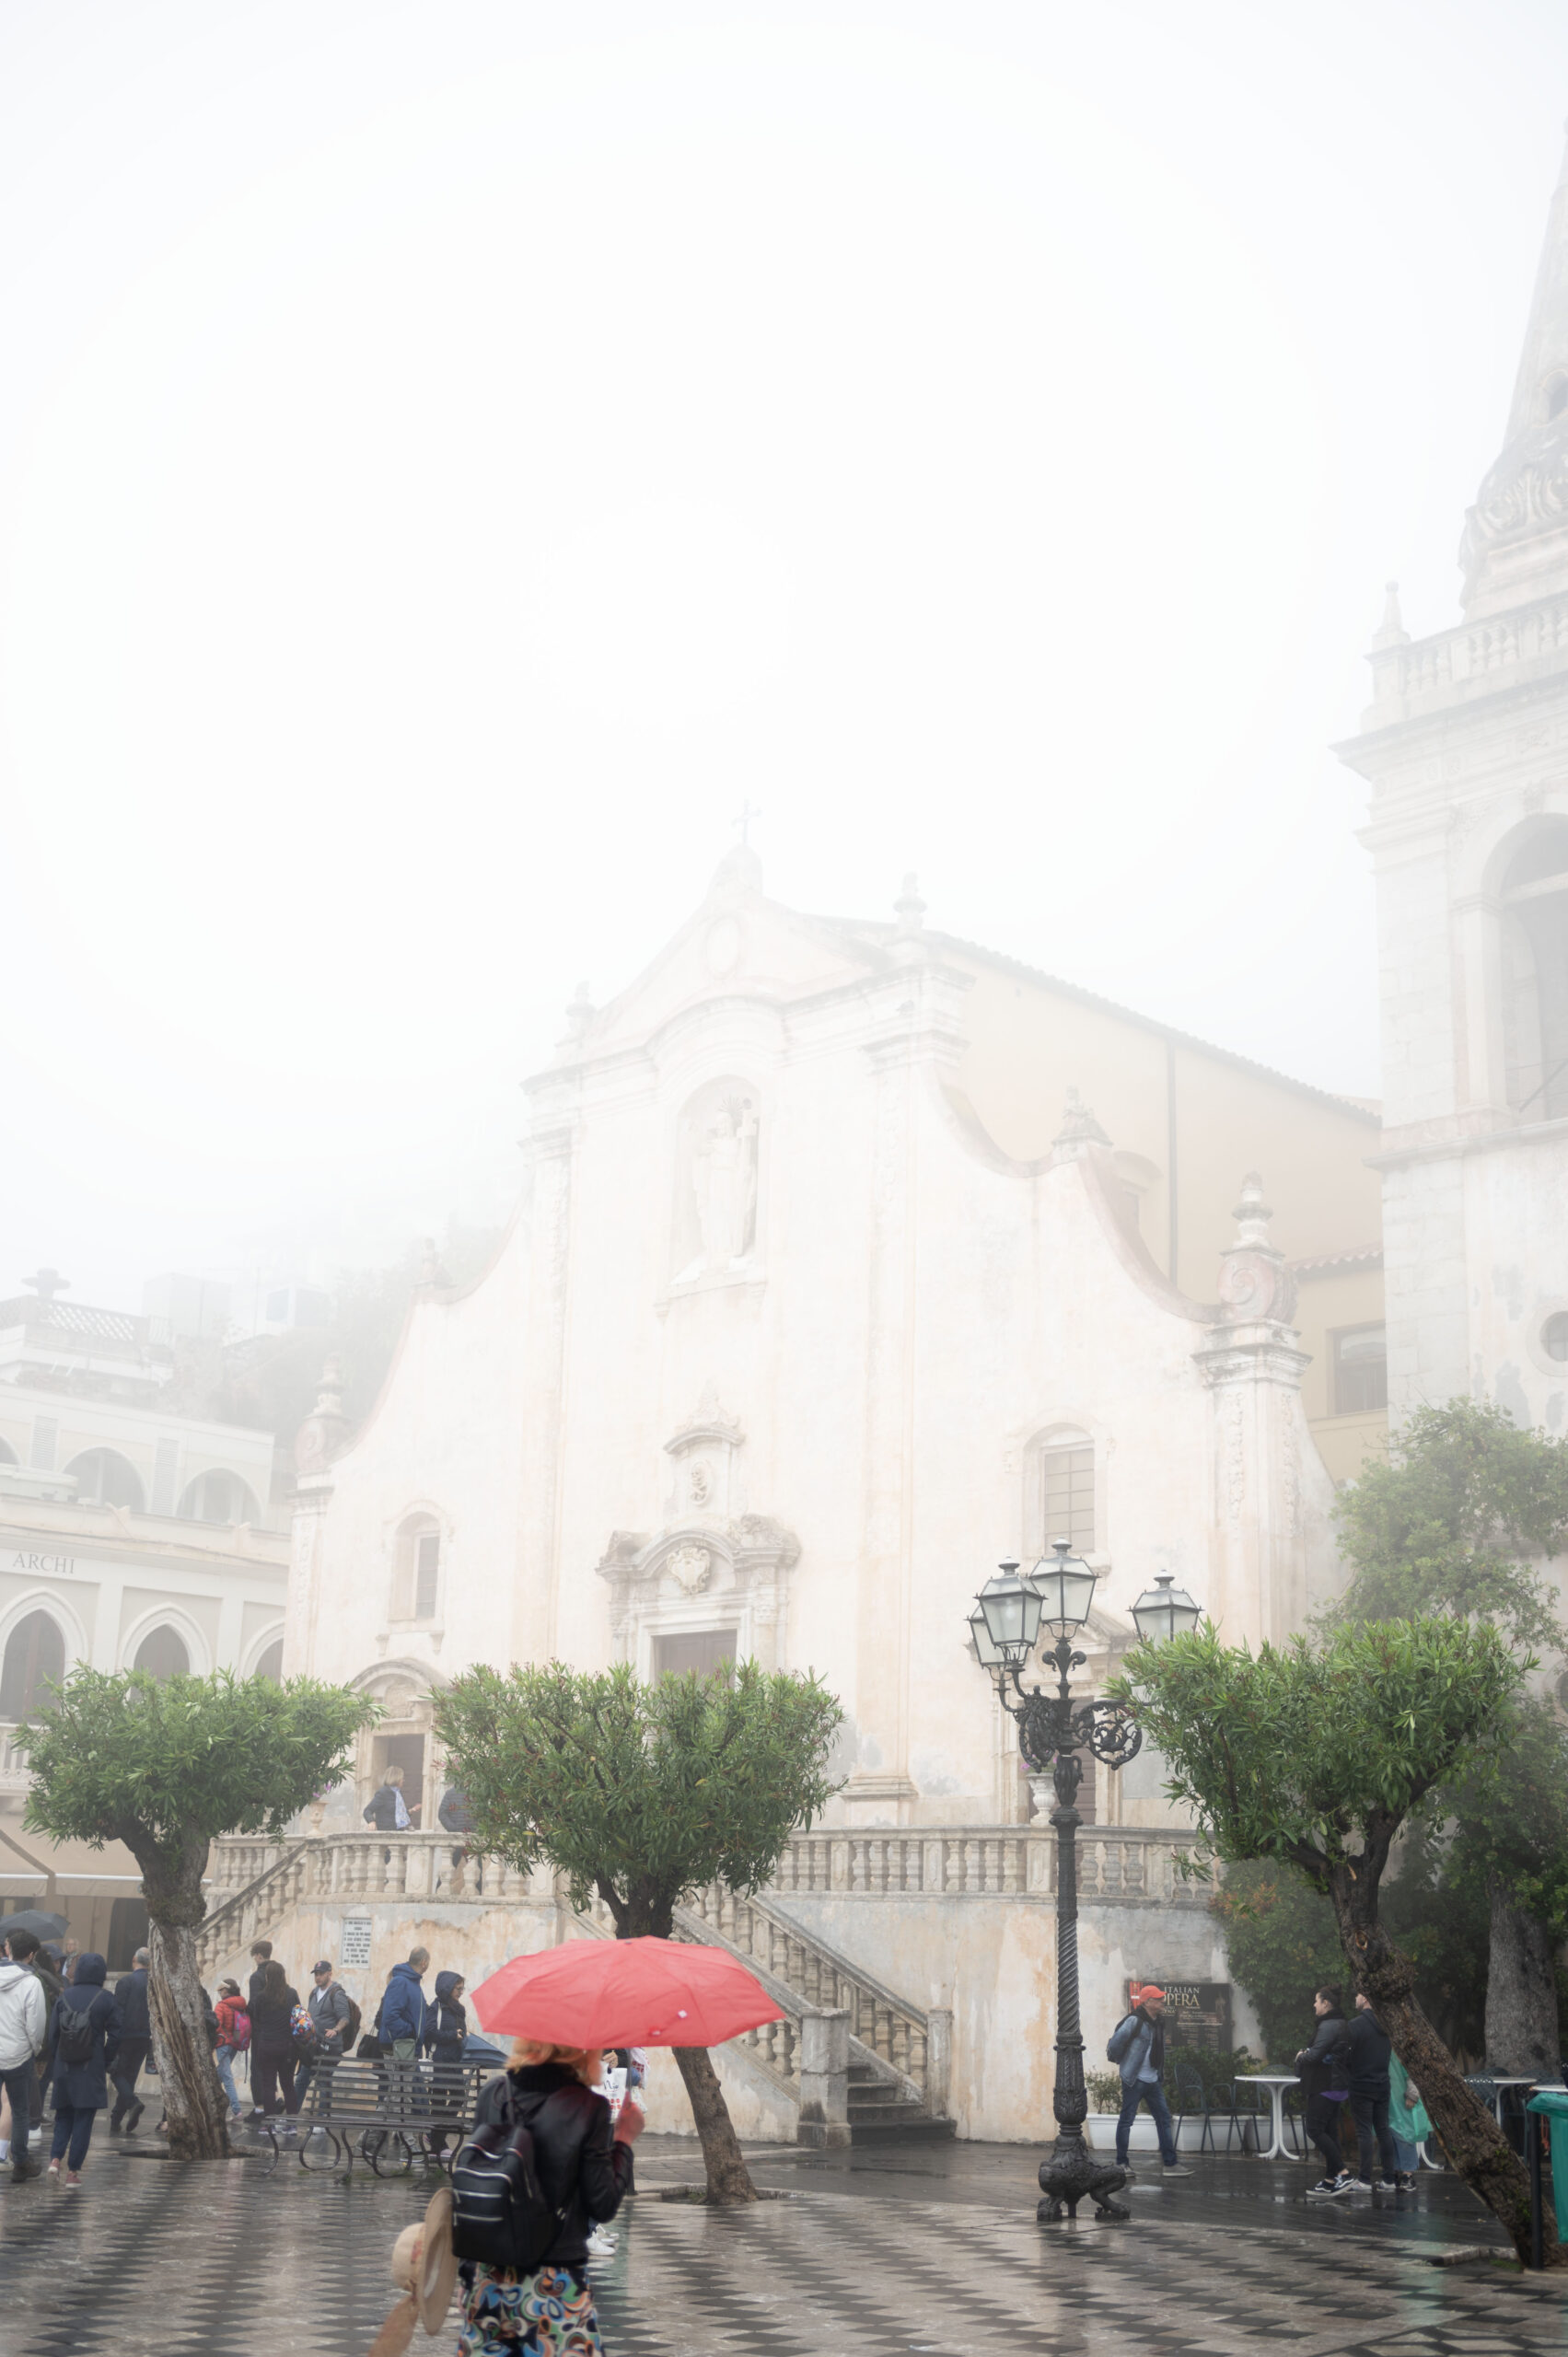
[1314, 1755]
[166, 1766]
[1458, 1520]
[642, 1796]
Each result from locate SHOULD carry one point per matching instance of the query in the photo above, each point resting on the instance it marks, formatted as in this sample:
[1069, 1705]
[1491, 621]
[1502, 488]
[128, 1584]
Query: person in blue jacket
[402, 2024]
[84, 2039]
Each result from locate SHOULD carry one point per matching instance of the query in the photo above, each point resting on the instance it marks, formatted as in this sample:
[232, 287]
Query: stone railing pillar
[824, 2079]
[938, 2059]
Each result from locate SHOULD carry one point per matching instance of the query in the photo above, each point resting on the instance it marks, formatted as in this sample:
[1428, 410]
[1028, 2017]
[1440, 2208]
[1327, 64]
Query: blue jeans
[224, 2057]
[20, 2084]
[73, 2127]
[1147, 2091]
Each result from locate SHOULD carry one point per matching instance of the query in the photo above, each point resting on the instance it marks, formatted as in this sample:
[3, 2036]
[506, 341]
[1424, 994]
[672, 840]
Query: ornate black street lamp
[1053, 1732]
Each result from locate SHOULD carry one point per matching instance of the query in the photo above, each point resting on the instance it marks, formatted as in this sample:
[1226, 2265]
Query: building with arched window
[1465, 745]
[129, 1538]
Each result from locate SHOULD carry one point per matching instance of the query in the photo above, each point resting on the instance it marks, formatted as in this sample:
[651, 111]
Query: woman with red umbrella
[595, 1995]
[585, 2167]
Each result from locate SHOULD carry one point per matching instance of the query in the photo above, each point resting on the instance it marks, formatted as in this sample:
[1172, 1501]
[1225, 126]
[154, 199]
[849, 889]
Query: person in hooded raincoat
[81, 2084]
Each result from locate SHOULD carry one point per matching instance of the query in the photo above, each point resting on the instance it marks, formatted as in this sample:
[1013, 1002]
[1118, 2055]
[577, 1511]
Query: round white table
[1276, 2082]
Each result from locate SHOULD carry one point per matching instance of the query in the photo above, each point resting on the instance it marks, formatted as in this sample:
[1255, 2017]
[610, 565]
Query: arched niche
[717, 1147]
[34, 1659]
[104, 1478]
[1532, 871]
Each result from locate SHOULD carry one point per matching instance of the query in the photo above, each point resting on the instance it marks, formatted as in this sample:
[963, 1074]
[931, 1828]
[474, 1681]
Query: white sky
[452, 454]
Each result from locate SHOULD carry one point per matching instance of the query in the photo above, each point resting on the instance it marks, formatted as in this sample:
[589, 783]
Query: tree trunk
[1521, 1991]
[193, 2100]
[649, 1913]
[728, 2177]
[1476, 2147]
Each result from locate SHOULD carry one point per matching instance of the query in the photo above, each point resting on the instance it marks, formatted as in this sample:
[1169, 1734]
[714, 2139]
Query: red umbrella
[625, 1993]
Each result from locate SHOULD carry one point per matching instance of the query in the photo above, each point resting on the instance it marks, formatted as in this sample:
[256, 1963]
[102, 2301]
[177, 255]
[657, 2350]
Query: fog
[453, 457]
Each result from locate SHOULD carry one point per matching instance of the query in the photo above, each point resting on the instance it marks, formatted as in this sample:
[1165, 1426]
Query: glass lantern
[1165, 1611]
[1065, 1587]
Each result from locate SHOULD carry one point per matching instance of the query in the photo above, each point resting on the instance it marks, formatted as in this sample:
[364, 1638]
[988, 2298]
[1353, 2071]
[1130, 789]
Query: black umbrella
[43, 1927]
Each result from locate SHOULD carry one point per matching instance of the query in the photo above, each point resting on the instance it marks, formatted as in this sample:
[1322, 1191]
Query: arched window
[416, 1569]
[271, 1663]
[1535, 972]
[1062, 1486]
[716, 1181]
[219, 1497]
[163, 1654]
[104, 1478]
[35, 1658]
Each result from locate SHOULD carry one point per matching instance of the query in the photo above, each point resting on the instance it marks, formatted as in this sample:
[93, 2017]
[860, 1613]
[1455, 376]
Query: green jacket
[1406, 2119]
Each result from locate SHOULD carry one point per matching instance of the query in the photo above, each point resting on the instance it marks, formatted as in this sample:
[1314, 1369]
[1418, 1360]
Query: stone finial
[1079, 1131]
[326, 1432]
[1391, 631]
[739, 871]
[909, 908]
[1255, 1282]
[46, 1283]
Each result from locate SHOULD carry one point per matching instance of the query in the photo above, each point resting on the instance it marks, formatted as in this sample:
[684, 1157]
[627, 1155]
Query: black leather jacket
[1315, 2063]
[579, 2163]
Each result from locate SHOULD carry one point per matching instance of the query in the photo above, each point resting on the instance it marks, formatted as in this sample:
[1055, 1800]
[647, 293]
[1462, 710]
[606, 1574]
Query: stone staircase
[852, 2060]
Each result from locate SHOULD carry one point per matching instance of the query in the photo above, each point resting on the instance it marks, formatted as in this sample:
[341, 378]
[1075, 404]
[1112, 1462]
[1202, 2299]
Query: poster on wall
[1197, 2013]
[354, 1948]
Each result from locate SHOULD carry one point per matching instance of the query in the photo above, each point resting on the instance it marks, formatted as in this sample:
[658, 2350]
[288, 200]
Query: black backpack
[75, 2040]
[500, 2215]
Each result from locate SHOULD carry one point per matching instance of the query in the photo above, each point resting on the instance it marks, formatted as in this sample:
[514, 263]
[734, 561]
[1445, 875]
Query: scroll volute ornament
[1255, 1282]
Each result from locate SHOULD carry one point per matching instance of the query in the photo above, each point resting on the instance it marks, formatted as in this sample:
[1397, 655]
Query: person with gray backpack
[1136, 2046]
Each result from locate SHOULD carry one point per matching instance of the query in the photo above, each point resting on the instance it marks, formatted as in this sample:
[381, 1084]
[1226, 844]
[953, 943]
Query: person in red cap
[1137, 2048]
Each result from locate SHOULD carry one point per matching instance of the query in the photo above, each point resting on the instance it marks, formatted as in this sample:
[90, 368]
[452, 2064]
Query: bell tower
[1465, 747]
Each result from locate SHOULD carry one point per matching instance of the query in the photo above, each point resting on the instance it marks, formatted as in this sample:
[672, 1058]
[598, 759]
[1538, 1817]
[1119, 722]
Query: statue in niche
[722, 1144]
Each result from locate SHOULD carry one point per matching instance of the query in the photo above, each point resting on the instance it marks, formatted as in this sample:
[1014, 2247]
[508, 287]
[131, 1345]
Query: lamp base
[1072, 2173]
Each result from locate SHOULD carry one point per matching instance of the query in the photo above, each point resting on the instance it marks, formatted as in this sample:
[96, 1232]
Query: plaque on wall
[1197, 2013]
[354, 1948]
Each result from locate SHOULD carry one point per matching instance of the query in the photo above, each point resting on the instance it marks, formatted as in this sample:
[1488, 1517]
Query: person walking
[1323, 2085]
[261, 1957]
[331, 2016]
[585, 2168]
[1409, 2122]
[446, 2032]
[136, 2042]
[84, 2039]
[385, 1809]
[272, 2050]
[1137, 2048]
[1366, 2048]
[234, 2037]
[401, 2032]
[24, 2029]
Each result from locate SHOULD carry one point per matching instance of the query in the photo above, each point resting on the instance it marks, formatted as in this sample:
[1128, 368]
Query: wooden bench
[385, 2113]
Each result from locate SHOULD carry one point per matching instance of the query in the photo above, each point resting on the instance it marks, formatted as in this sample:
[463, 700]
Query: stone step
[897, 2124]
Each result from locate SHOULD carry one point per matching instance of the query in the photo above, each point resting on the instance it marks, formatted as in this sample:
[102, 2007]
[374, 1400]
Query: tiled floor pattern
[225, 2262]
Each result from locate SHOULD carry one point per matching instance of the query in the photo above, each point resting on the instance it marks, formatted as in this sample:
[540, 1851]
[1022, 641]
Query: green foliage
[1297, 1753]
[1449, 1522]
[172, 1764]
[1104, 2089]
[641, 1793]
[1284, 1945]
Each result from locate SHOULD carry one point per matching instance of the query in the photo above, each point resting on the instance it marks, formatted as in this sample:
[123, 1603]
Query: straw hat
[424, 2263]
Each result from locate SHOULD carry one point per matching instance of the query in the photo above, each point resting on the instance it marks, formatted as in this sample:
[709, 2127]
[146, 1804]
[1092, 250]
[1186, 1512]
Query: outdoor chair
[1249, 2107]
[1191, 2102]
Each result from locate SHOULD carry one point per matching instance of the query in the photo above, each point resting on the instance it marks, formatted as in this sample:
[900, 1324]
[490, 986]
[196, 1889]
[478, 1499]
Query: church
[852, 1258]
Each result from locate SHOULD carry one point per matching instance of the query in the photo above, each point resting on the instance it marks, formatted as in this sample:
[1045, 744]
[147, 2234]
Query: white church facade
[827, 1289]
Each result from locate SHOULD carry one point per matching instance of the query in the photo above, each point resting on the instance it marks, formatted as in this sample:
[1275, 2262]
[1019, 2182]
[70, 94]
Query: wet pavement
[875, 2250]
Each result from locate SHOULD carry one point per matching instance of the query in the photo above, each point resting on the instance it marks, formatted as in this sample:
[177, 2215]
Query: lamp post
[1053, 1731]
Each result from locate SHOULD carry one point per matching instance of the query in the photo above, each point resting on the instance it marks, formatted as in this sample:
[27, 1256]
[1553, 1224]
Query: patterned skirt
[549, 2314]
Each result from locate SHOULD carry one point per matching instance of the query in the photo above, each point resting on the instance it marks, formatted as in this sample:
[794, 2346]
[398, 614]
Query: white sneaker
[601, 2245]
